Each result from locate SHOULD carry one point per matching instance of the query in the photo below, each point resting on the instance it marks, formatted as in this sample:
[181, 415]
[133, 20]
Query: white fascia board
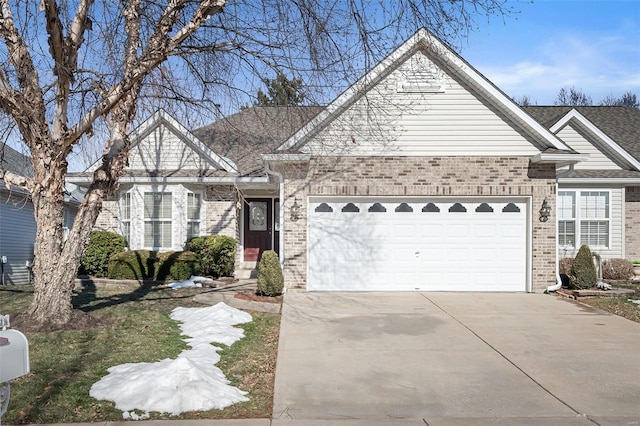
[224, 180]
[219, 161]
[354, 91]
[286, 158]
[498, 97]
[600, 181]
[574, 114]
[559, 158]
[456, 64]
[161, 116]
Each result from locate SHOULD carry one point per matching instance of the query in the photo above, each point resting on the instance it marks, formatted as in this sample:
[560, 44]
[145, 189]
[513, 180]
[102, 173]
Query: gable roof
[161, 117]
[620, 124]
[244, 136]
[446, 58]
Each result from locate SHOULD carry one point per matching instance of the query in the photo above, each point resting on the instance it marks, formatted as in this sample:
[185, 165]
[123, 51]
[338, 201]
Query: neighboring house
[421, 176]
[17, 223]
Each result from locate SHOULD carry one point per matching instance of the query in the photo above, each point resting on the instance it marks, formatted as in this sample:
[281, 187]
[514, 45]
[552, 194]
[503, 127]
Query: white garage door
[360, 244]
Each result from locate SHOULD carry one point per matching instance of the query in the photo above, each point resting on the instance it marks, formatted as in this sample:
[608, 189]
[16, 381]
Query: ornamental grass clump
[270, 279]
[583, 271]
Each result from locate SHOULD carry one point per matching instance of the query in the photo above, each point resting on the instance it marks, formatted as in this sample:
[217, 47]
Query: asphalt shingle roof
[15, 162]
[621, 124]
[245, 136]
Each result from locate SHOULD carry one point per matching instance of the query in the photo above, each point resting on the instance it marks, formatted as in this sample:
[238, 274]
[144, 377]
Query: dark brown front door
[259, 231]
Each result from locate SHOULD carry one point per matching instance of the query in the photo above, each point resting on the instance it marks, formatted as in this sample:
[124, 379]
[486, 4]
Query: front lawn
[135, 328]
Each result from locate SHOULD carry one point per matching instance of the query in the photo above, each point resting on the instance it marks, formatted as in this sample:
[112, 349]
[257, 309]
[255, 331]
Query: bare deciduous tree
[71, 69]
[572, 97]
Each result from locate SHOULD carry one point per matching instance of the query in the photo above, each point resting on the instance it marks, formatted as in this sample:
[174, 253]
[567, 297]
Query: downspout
[269, 171]
[558, 283]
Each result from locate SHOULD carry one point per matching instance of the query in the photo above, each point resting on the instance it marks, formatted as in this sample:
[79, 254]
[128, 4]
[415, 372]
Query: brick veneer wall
[108, 217]
[632, 223]
[422, 176]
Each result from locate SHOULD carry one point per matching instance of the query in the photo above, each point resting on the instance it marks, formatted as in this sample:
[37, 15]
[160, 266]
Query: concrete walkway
[454, 359]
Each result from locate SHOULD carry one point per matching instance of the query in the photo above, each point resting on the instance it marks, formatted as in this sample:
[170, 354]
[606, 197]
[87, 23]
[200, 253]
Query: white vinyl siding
[17, 236]
[599, 221]
[157, 219]
[579, 142]
[453, 122]
[163, 149]
[193, 214]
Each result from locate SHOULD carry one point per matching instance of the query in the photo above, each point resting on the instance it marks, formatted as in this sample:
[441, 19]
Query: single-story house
[423, 175]
[17, 223]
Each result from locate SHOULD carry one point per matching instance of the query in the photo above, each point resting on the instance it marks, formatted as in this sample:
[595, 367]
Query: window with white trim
[125, 217]
[193, 214]
[583, 218]
[157, 219]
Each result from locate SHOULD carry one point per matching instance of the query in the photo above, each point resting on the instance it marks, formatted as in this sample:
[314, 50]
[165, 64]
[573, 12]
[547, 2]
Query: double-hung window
[193, 214]
[583, 218]
[157, 219]
[125, 217]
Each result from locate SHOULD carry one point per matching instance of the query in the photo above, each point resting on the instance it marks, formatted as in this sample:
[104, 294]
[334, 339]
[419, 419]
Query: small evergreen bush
[617, 269]
[583, 271]
[217, 254]
[102, 245]
[270, 279]
[150, 265]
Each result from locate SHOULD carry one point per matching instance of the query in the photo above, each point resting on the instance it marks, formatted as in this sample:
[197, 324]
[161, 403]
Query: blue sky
[593, 45]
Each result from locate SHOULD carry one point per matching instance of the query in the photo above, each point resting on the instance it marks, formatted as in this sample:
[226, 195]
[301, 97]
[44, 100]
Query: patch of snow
[637, 302]
[191, 382]
[193, 281]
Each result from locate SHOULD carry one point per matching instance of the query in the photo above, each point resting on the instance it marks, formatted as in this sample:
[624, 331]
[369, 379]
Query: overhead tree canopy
[73, 69]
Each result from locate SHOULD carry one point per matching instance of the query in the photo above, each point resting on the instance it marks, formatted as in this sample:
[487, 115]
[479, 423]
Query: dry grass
[64, 364]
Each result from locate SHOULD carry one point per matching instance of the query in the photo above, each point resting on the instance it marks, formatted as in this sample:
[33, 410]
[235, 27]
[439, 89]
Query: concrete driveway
[454, 359]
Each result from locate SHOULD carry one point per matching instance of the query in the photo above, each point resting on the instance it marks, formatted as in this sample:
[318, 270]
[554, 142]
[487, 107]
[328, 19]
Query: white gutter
[146, 179]
[267, 168]
[558, 283]
[601, 181]
[559, 158]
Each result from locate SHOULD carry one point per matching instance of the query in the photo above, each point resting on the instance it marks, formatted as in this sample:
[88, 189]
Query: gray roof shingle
[245, 136]
[15, 162]
[621, 124]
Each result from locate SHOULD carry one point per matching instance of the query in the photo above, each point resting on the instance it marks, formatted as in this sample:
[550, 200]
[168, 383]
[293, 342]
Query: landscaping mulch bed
[253, 297]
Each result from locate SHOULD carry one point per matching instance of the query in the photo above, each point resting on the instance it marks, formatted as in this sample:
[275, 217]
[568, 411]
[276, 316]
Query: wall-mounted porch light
[545, 211]
[295, 211]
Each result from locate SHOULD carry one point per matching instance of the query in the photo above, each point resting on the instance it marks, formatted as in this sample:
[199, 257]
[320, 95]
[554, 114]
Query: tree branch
[12, 179]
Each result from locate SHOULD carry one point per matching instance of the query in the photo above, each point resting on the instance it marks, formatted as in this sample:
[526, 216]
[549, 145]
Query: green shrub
[617, 269]
[217, 254]
[270, 279]
[150, 265]
[583, 271]
[102, 245]
[177, 266]
[133, 265]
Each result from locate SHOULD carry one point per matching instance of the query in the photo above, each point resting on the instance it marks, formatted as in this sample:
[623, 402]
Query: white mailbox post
[14, 359]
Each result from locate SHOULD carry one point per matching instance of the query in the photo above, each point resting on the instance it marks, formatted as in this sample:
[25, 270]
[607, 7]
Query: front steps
[246, 270]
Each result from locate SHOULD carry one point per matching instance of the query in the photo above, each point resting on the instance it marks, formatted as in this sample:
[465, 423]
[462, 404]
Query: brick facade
[423, 176]
[632, 223]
